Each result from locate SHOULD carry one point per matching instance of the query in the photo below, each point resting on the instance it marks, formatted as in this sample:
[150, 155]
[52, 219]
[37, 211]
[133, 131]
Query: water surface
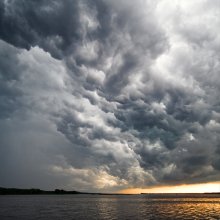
[89, 207]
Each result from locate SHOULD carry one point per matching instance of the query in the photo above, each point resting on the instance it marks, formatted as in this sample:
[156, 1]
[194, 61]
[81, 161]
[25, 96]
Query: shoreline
[34, 191]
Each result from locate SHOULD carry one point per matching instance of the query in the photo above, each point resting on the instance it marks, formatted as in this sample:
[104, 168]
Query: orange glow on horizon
[185, 188]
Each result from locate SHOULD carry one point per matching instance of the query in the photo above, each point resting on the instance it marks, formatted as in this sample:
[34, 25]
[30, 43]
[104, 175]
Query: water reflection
[189, 208]
[158, 208]
[107, 207]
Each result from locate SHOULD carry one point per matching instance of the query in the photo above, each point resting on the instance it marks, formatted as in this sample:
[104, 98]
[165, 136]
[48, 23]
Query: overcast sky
[103, 95]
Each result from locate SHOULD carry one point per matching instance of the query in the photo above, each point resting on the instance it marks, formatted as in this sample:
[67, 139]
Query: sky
[109, 95]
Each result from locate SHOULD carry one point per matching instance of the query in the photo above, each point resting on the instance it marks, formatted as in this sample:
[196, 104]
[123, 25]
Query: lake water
[89, 207]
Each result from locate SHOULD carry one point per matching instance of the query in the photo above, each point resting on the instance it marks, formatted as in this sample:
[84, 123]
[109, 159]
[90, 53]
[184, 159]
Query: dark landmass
[33, 191]
[15, 191]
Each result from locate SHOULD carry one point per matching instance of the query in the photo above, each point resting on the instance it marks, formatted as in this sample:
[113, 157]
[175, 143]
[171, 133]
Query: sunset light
[190, 188]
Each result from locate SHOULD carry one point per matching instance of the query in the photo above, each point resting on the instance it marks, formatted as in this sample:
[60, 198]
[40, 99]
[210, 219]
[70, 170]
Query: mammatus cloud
[105, 95]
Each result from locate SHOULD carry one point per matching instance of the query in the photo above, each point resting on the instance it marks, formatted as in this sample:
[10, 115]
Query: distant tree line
[15, 191]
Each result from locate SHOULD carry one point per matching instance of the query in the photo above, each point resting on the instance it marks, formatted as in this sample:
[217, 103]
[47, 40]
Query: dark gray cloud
[104, 95]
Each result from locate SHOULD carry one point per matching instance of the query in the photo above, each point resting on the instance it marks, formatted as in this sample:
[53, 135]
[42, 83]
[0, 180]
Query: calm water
[107, 207]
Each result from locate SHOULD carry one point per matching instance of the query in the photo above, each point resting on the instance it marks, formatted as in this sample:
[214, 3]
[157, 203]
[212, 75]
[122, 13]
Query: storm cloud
[106, 95]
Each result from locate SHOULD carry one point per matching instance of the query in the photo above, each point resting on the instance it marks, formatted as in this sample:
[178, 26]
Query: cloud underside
[106, 95]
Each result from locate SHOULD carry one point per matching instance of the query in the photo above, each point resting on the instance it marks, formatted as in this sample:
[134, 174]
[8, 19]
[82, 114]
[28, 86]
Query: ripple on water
[107, 207]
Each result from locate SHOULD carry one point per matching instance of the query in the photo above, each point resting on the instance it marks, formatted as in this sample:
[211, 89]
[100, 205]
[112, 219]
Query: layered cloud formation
[105, 95]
